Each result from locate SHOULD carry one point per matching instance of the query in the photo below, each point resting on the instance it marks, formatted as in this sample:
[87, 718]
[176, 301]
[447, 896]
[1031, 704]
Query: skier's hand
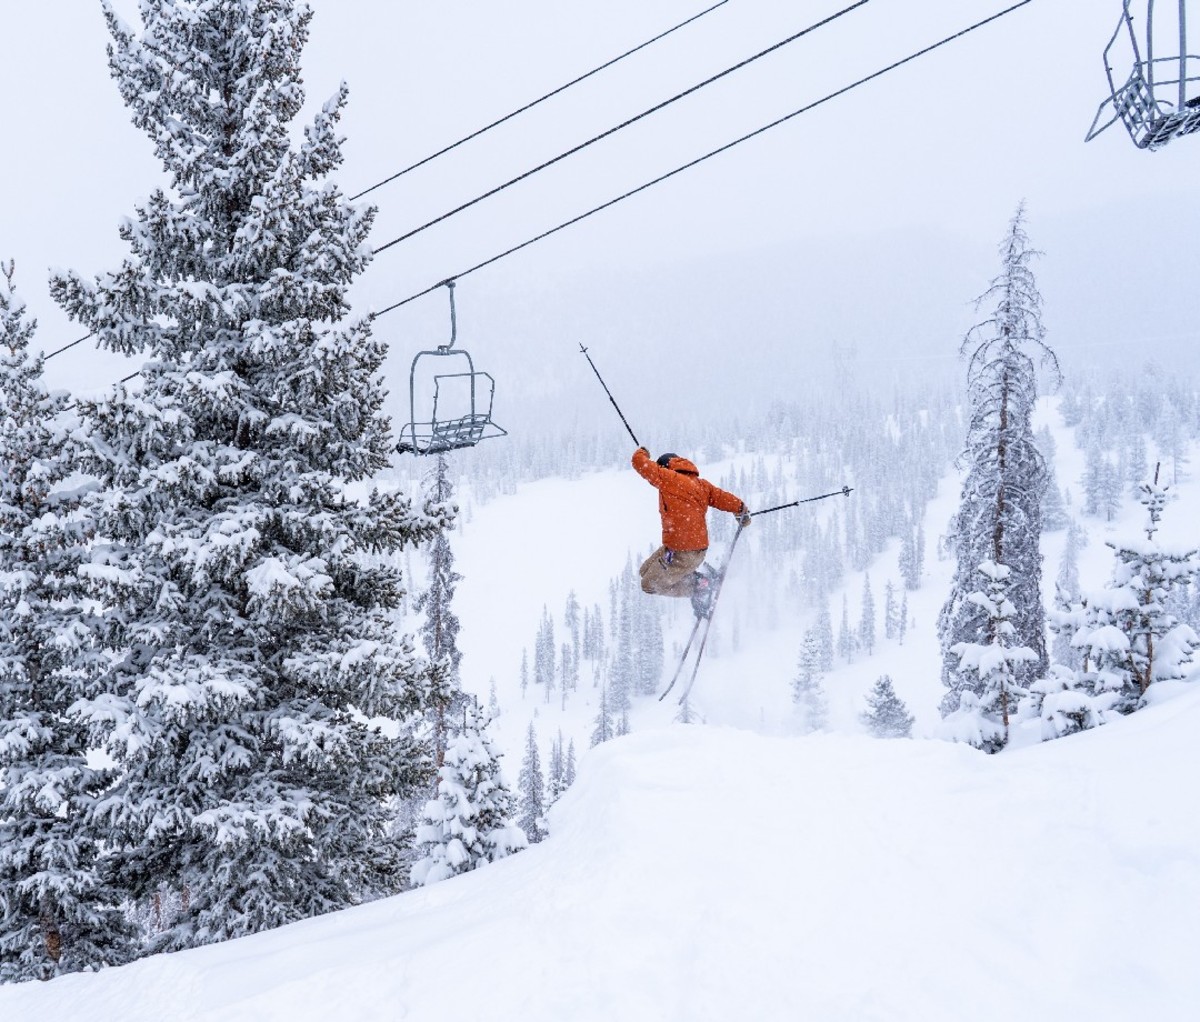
[743, 517]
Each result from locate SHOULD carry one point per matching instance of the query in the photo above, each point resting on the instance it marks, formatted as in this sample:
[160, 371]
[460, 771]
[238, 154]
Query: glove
[743, 517]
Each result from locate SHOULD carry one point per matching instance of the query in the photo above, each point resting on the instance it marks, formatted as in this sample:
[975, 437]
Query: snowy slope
[736, 871]
[710, 873]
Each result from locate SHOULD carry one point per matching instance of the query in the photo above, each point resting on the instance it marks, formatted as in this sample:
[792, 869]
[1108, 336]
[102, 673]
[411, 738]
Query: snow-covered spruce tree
[887, 716]
[531, 791]
[58, 913]
[999, 517]
[866, 626]
[569, 765]
[846, 643]
[1054, 508]
[439, 633]
[248, 595]
[555, 785]
[603, 731]
[649, 653]
[824, 633]
[544, 651]
[909, 564]
[807, 691]
[993, 689]
[469, 823]
[1129, 636]
[1065, 618]
[891, 611]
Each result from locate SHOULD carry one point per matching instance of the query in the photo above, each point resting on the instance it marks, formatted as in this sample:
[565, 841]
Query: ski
[682, 660]
[707, 623]
[696, 666]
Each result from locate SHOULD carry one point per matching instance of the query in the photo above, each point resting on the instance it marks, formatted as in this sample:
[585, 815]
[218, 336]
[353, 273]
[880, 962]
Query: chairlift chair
[455, 391]
[1160, 99]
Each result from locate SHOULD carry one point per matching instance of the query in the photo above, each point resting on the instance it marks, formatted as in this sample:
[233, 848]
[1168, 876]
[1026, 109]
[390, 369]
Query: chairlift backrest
[1153, 68]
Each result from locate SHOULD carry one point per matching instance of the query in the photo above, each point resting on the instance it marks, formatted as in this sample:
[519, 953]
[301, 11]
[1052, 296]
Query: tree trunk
[52, 937]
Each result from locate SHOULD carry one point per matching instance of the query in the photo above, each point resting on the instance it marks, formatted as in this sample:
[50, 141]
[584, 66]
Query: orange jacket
[683, 500]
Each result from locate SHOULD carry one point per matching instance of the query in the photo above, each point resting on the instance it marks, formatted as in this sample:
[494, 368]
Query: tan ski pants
[671, 572]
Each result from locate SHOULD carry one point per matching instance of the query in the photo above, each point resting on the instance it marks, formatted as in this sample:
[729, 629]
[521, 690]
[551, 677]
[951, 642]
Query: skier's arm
[723, 500]
[647, 467]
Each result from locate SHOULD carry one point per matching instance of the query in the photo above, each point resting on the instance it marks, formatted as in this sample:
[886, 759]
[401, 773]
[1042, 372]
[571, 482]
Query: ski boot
[704, 587]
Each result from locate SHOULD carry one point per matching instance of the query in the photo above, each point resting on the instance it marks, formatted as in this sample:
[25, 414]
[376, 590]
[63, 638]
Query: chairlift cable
[509, 116]
[624, 124]
[67, 347]
[672, 173]
[706, 156]
[540, 99]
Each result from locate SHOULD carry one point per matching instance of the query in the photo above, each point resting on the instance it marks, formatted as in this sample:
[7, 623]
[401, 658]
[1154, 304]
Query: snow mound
[860, 879]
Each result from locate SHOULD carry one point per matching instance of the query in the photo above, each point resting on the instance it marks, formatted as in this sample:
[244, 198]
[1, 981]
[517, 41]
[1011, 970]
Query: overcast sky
[874, 219]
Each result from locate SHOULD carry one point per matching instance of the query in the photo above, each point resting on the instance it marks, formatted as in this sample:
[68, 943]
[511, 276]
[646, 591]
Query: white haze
[869, 223]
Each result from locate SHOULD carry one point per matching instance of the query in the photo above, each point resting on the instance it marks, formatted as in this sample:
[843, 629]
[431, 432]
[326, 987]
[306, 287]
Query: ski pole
[845, 491]
[609, 393]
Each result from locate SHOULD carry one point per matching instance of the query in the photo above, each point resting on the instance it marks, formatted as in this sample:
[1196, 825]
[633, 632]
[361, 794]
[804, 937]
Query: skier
[677, 567]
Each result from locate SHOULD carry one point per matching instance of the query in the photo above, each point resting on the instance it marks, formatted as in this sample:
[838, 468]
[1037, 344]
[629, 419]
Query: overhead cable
[494, 124]
[67, 347]
[540, 99]
[706, 156]
[625, 124]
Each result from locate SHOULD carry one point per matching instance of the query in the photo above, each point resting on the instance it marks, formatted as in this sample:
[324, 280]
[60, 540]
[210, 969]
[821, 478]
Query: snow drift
[859, 879]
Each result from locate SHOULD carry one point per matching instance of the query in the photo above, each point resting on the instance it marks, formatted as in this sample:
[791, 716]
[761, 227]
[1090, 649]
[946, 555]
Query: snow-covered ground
[713, 873]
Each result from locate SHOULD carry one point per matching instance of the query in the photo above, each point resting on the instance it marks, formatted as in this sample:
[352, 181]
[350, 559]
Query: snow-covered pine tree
[531, 791]
[824, 632]
[439, 633]
[866, 625]
[1129, 635]
[846, 644]
[58, 911]
[908, 561]
[544, 651]
[992, 688]
[1054, 508]
[1137, 467]
[891, 612]
[1111, 490]
[248, 594]
[999, 519]
[887, 716]
[622, 669]
[556, 771]
[622, 727]
[1064, 619]
[571, 621]
[807, 691]
[1093, 480]
[568, 671]
[470, 822]
[569, 765]
[649, 653]
[493, 709]
[603, 731]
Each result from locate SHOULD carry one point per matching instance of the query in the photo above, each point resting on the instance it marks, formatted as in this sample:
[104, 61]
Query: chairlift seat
[1150, 122]
[1160, 100]
[469, 393]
